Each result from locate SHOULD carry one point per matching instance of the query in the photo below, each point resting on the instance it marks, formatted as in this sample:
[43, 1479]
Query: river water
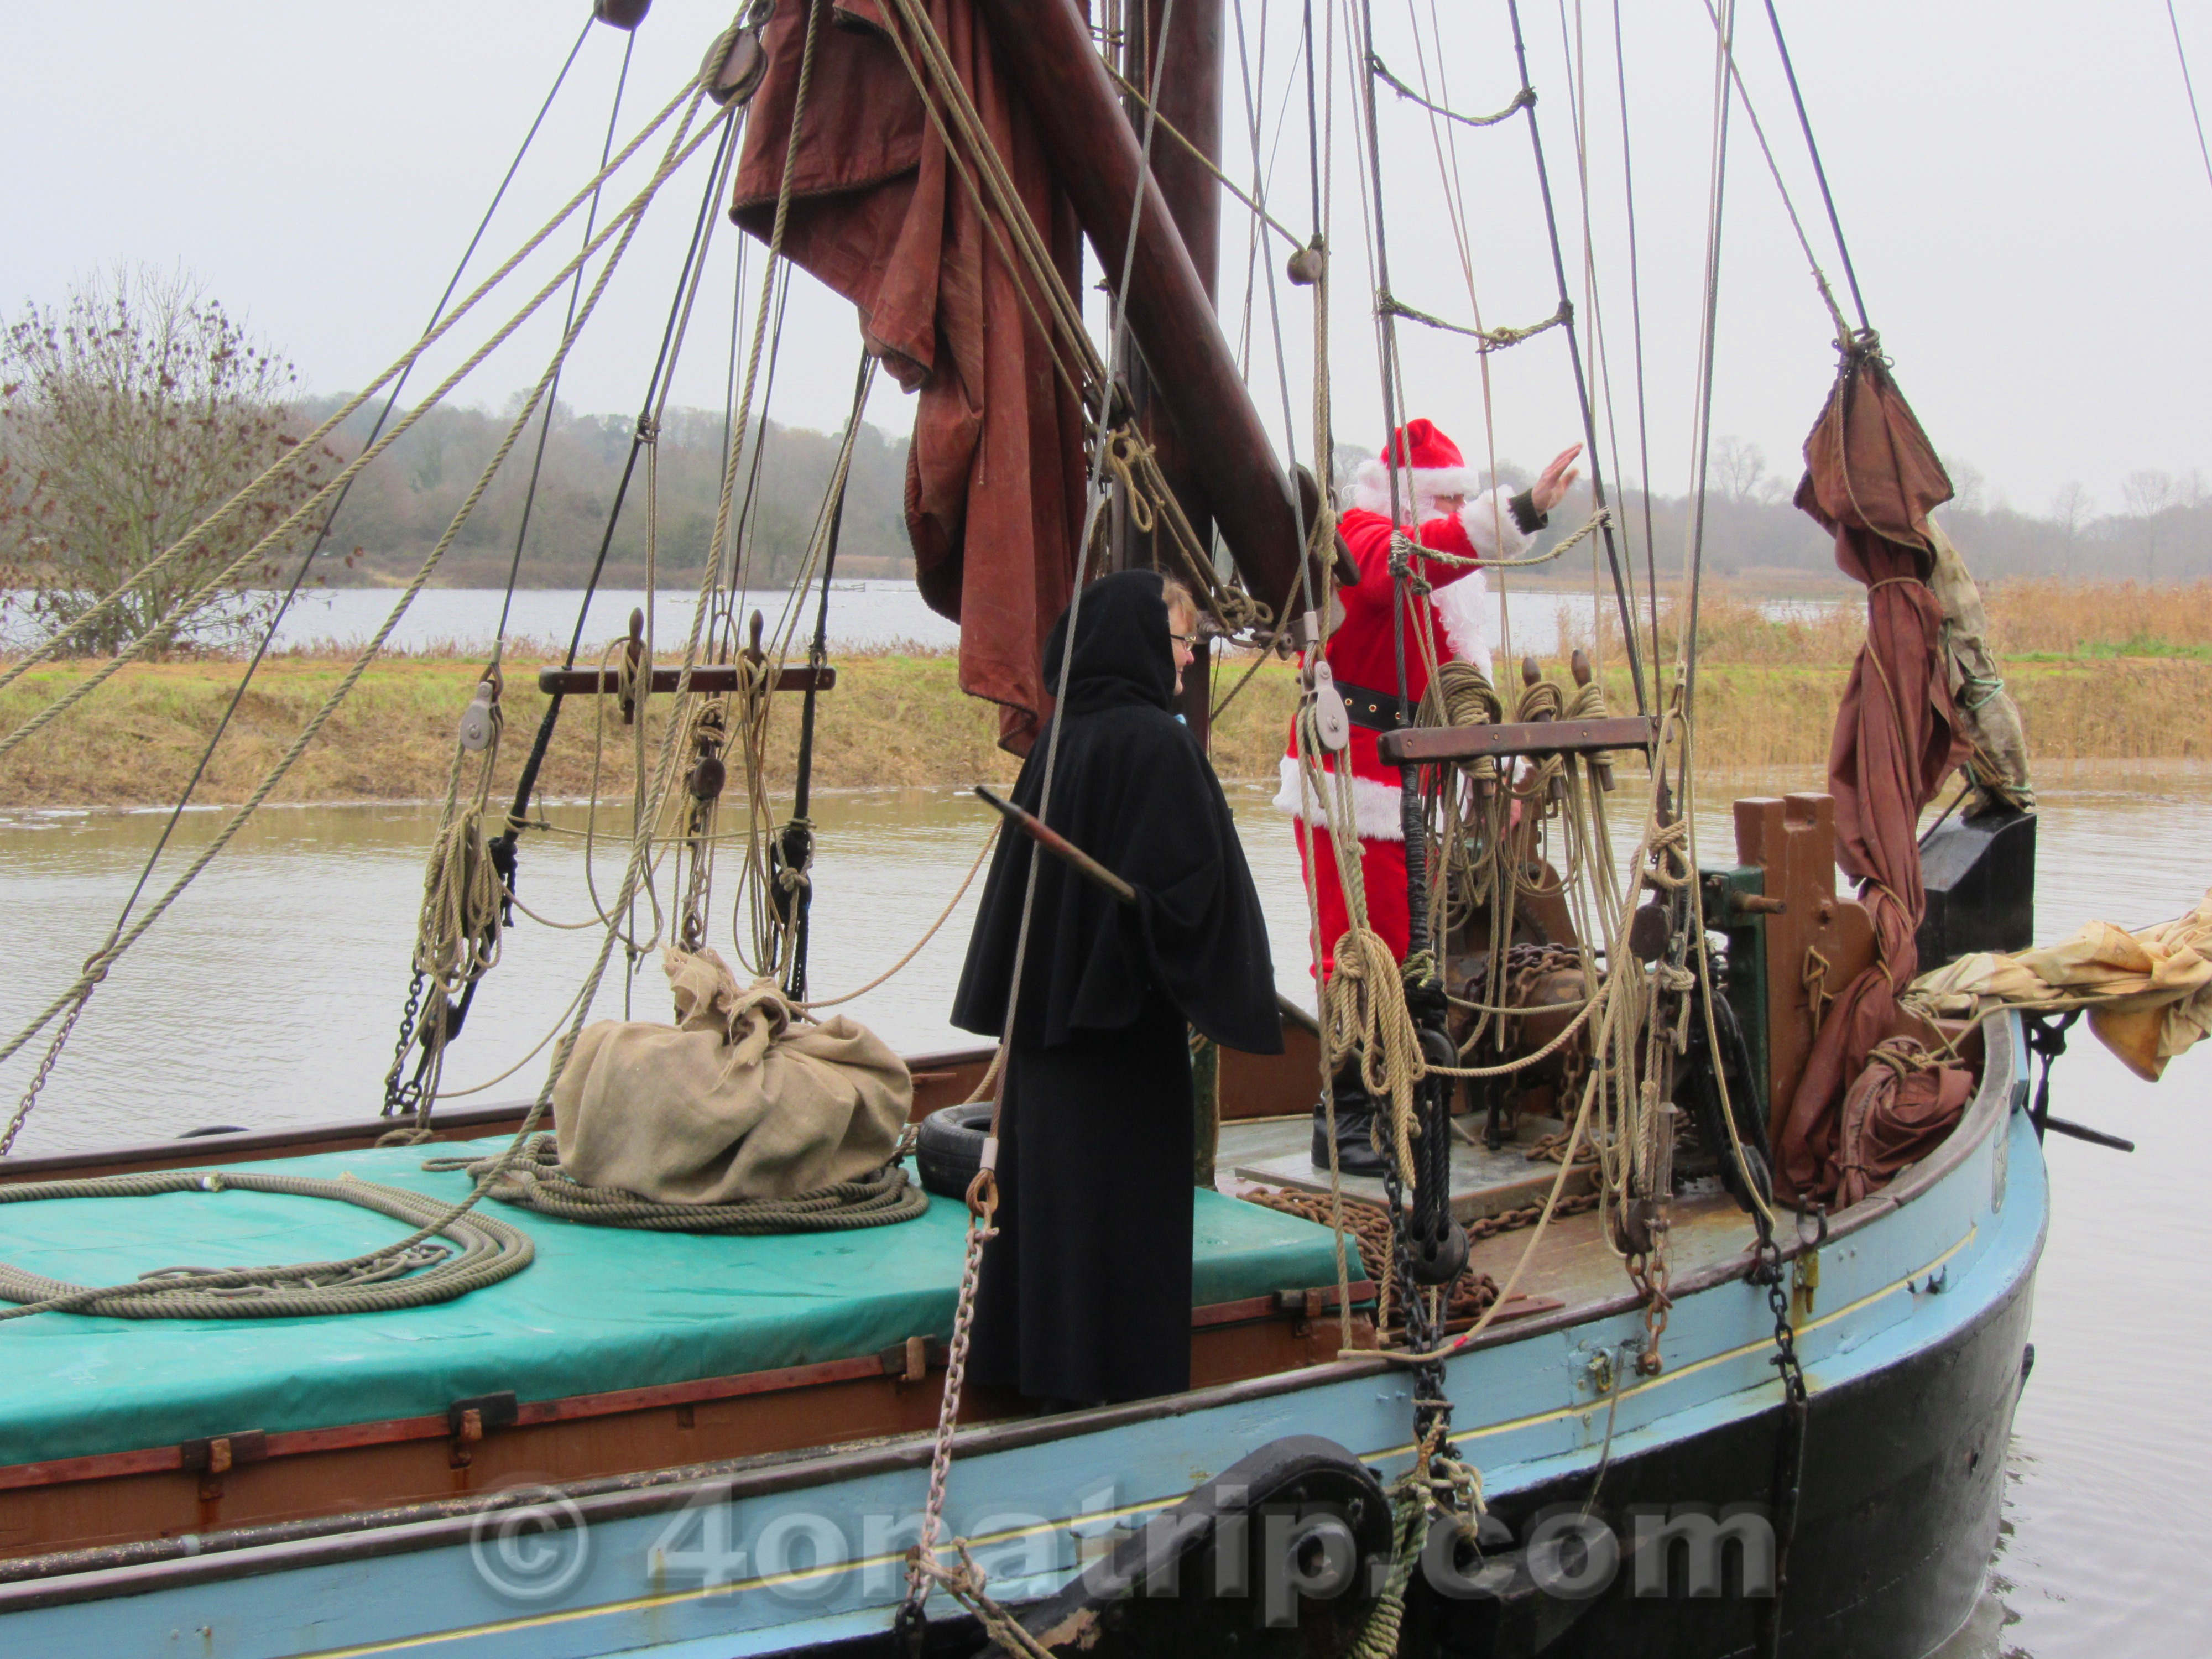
[868, 614]
[269, 994]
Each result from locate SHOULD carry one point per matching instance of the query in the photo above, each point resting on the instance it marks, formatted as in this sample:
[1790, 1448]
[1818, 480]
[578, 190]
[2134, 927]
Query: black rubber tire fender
[950, 1148]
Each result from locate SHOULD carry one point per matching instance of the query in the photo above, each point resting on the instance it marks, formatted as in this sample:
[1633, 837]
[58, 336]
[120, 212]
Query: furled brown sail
[994, 479]
[1871, 479]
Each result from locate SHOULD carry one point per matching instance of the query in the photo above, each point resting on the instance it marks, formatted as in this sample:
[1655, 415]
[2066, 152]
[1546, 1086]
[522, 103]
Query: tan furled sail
[2148, 994]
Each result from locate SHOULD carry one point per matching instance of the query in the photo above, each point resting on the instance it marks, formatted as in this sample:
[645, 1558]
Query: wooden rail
[1461, 743]
[709, 680]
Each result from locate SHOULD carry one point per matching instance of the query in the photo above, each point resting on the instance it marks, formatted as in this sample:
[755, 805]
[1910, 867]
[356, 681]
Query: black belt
[1376, 710]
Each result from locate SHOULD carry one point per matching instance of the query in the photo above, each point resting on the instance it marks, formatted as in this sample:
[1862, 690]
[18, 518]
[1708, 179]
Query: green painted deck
[599, 1309]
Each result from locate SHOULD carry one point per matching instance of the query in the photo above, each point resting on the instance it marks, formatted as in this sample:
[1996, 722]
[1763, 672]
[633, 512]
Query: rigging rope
[575, 291]
[229, 509]
[1813, 149]
[1488, 339]
[1575, 55]
[495, 858]
[1789, 204]
[2189, 86]
[1582, 382]
[412, 1273]
[535, 1181]
[923, 1564]
[1708, 324]
[1252, 200]
[1636, 318]
[623, 223]
[98, 964]
[1522, 100]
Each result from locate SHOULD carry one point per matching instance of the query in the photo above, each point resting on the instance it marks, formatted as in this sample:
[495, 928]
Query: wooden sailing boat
[673, 1443]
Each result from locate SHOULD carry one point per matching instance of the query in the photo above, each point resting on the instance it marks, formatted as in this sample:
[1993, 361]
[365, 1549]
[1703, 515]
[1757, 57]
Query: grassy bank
[896, 720]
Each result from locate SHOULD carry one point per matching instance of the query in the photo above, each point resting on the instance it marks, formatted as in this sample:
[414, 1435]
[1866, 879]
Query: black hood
[1132, 789]
[1122, 652]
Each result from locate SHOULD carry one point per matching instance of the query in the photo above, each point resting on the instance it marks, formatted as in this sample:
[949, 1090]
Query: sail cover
[1871, 479]
[995, 474]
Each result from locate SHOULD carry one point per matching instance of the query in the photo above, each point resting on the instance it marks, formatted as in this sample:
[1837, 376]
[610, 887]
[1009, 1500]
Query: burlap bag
[740, 1099]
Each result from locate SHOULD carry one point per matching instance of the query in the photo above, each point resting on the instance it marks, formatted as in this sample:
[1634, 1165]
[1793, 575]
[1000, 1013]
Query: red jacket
[1362, 651]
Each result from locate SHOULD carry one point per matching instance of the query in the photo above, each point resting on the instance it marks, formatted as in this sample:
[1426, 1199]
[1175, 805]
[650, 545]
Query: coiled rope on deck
[415, 1273]
[535, 1181]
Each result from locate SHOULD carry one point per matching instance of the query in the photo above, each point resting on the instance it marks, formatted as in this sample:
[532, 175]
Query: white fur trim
[1462, 606]
[1375, 804]
[1370, 489]
[1490, 525]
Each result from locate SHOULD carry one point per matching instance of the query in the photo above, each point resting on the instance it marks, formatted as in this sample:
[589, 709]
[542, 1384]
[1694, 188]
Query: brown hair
[1179, 598]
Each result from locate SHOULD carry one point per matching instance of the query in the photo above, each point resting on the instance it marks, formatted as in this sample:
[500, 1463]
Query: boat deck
[599, 1309]
[618, 1353]
[1575, 1266]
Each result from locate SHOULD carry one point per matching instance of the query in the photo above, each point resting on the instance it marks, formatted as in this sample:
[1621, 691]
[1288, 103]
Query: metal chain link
[400, 1097]
[1789, 1440]
[46, 1066]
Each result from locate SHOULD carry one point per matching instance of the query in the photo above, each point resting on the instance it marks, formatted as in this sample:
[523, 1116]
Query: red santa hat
[1430, 465]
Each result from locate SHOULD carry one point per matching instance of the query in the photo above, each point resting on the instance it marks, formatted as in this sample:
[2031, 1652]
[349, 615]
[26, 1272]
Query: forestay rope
[394, 1263]
[1635, 1015]
[964, 1579]
[462, 927]
[620, 230]
[292, 457]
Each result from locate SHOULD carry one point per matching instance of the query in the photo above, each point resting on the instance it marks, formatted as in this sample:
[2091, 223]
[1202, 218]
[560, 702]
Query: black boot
[1355, 1120]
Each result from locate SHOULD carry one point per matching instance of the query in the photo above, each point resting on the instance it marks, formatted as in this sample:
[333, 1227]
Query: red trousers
[1382, 872]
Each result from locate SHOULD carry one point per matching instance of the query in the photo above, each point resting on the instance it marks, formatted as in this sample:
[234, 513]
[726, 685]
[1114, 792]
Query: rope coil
[470, 1251]
[535, 1181]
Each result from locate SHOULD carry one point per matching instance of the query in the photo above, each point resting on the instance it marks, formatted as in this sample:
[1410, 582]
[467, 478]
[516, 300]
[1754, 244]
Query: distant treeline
[402, 504]
[2161, 532]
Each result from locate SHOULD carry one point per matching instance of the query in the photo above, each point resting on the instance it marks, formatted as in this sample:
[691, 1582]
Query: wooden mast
[1046, 49]
[1183, 72]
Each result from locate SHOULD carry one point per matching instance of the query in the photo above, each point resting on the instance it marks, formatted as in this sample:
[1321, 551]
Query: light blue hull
[780, 1554]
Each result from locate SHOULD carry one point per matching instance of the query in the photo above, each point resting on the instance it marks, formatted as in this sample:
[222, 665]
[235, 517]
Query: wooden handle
[1060, 847]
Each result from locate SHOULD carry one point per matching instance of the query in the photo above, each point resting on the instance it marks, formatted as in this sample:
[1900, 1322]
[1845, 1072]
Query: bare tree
[1737, 466]
[1969, 488]
[2148, 493]
[125, 421]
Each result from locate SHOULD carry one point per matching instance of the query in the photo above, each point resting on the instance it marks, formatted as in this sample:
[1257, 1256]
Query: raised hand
[1558, 478]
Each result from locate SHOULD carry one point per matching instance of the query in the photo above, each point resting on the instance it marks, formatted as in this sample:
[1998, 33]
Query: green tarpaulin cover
[599, 1309]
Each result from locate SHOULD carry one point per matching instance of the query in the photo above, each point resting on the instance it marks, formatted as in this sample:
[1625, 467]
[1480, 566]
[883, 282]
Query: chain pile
[1470, 1296]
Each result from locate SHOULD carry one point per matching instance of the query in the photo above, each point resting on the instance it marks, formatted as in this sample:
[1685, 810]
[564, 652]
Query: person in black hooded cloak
[1085, 1293]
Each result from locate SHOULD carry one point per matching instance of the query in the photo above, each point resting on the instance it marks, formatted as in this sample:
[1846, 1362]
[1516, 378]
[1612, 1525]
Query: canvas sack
[740, 1099]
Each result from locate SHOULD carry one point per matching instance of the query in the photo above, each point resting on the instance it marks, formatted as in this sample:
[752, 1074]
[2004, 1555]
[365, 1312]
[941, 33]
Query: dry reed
[2104, 671]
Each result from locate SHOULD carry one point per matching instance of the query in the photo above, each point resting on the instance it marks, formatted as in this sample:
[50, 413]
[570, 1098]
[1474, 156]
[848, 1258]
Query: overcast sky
[2019, 183]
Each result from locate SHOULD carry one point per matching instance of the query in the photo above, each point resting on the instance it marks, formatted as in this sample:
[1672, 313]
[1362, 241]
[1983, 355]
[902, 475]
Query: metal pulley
[708, 778]
[1435, 1243]
[790, 854]
[623, 15]
[1332, 720]
[1307, 630]
[480, 720]
[633, 662]
[732, 70]
[708, 772]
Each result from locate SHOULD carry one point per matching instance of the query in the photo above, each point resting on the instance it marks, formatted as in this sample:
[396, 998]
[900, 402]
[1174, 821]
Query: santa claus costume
[1361, 655]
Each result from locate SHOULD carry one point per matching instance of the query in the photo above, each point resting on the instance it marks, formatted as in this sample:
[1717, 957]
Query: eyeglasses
[1189, 640]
